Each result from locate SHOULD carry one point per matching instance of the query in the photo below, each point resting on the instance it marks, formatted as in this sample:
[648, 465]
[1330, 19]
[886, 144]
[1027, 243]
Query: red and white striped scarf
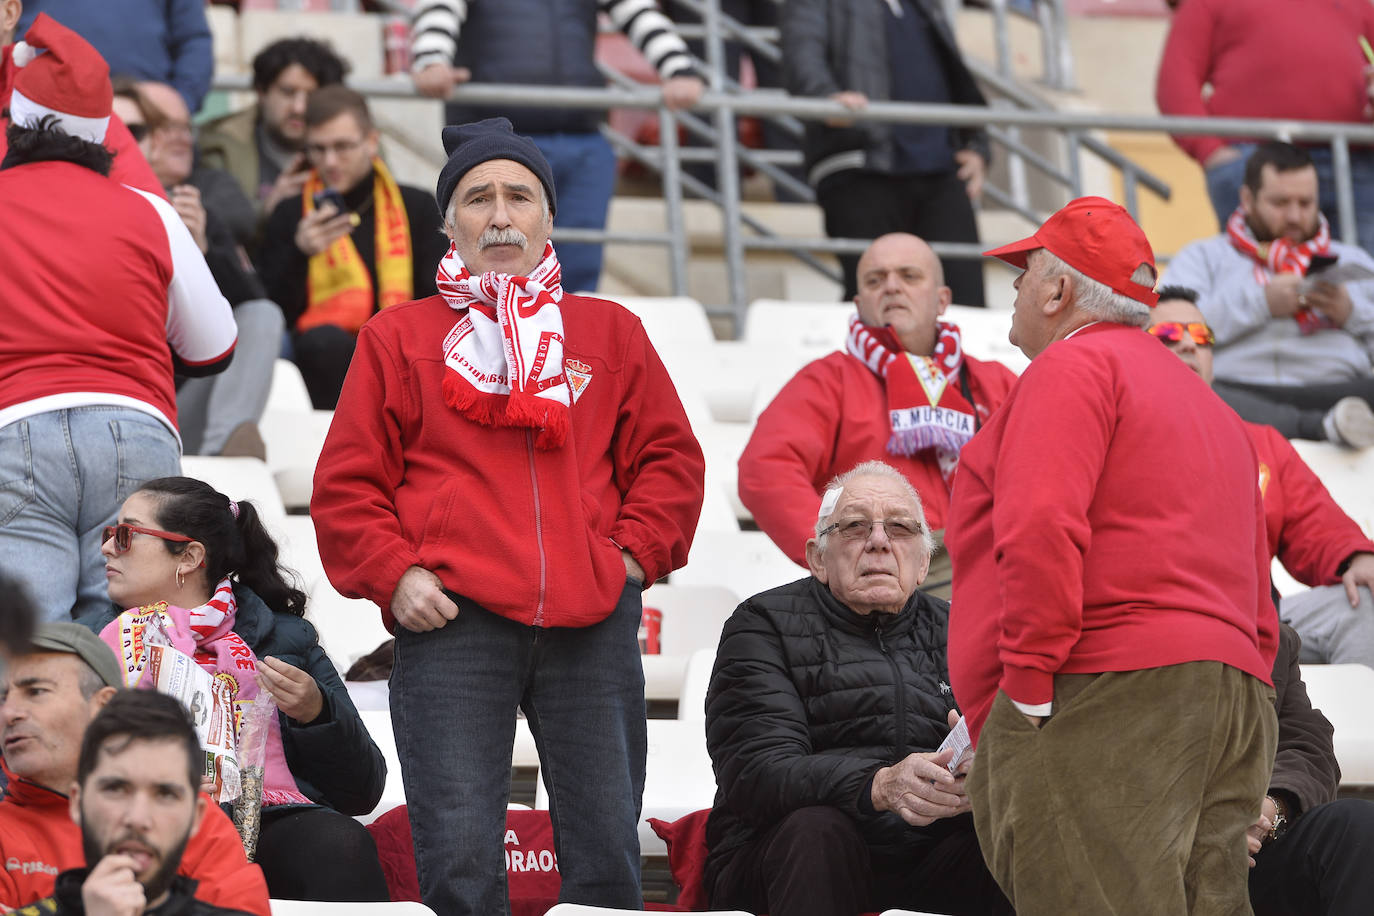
[1282, 256]
[505, 354]
[925, 407]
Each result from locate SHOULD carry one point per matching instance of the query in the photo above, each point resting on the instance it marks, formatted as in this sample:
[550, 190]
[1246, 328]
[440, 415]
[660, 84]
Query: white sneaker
[1350, 423]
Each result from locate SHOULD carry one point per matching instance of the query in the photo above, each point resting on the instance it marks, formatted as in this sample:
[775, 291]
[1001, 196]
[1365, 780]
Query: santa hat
[71, 81]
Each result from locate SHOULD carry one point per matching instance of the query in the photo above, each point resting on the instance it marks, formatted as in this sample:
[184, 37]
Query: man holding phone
[350, 244]
[1292, 309]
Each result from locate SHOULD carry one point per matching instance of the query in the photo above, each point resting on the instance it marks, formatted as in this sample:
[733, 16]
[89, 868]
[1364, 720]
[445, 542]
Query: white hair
[1098, 299]
[887, 472]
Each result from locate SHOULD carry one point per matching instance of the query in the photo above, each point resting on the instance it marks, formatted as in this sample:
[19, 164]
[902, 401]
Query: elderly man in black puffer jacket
[828, 701]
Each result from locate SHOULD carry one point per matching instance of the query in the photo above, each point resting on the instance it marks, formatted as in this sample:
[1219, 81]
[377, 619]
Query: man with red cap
[1109, 643]
[129, 165]
[100, 282]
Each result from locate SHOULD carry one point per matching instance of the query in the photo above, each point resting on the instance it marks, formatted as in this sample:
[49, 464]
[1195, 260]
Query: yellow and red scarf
[338, 286]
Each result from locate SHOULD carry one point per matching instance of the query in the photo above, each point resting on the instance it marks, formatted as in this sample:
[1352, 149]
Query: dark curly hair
[48, 142]
[315, 56]
[237, 547]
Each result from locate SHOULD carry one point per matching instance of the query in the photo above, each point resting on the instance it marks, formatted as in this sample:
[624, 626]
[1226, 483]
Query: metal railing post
[1345, 189]
[676, 225]
[727, 165]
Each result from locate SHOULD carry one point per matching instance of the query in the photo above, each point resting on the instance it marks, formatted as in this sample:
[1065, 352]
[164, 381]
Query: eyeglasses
[1174, 331]
[123, 534]
[137, 130]
[318, 151]
[860, 529]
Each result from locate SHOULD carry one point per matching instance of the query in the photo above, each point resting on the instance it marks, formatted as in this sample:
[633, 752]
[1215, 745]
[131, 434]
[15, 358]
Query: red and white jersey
[102, 293]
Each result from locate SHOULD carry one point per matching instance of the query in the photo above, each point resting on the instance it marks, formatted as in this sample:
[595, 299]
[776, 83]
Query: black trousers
[815, 862]
[323, 354]
[1321, 866]
[865, 205]
[318, 854]
[1297, 411]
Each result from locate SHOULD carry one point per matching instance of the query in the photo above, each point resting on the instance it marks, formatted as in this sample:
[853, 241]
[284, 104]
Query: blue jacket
[164, 40]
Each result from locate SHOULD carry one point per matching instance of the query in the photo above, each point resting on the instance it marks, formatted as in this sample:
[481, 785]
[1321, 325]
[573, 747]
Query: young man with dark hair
[262, 145]
[137, 800]
[51, 694]
[351, 243]
[1294, 350]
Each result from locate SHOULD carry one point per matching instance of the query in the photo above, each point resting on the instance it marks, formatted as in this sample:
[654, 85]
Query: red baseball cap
[1095, 237]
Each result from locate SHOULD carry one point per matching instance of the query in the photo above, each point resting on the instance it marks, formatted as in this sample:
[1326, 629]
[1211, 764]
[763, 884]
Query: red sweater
[828, 418]
[38, 839]
[102, 286]
[405, 480]
[1105, 519]
[1307, 531]
[1296, 59]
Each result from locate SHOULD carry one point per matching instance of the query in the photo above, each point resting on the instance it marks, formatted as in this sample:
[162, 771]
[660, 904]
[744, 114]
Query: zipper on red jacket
[899, 689]
[538, 532]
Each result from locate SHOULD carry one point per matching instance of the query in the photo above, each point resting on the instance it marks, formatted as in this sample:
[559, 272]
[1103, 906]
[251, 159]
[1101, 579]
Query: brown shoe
[245, 442]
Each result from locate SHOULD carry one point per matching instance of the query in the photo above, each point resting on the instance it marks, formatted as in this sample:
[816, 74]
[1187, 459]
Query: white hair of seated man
[870, 469]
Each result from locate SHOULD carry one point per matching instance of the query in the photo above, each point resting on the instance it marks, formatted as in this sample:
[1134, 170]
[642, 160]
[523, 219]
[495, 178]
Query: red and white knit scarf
[505, 354]
[1282, 256]
[924, 404]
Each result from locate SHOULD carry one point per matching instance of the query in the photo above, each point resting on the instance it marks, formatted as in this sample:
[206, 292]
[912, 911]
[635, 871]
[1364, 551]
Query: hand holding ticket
[958, 740]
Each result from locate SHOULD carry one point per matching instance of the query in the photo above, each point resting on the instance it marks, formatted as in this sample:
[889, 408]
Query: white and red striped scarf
[505, 354]
[925, 407]
[1282, 256]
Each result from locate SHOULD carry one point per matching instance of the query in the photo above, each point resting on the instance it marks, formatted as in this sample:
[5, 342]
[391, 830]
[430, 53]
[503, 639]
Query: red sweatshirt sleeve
[1183, 69]
[1315, 536]
[1047, 472]
[214, 857]
[791, 446]
[659, 466]
[360, 467]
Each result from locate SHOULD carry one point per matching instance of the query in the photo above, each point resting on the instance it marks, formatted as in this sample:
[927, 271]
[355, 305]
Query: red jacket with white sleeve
[533, 535]
[103, 293]
[1105, 519]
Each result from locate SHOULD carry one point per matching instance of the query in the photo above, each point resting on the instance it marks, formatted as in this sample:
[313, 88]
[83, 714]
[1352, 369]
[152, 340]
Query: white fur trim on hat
[27, 113]
[23, 53]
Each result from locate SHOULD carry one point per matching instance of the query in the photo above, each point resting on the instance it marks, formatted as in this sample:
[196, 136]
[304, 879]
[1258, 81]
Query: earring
[181, 579]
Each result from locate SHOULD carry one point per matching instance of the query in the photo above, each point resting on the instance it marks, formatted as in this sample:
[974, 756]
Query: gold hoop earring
[181, 579]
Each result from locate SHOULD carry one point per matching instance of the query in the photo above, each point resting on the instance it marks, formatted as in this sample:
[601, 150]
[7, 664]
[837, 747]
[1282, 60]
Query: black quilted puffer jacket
[809, 699]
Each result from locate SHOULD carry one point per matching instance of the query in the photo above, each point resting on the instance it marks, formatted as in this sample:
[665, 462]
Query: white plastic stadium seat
[238, 478]
[323, 908]
[691, 706]
[288, 391]
[746, 562]
[294, 439]
[692, 615]
[777, 323]
[670, 321]
[1342, 694]
[378, 722]
[984, 334]
[1346, 473]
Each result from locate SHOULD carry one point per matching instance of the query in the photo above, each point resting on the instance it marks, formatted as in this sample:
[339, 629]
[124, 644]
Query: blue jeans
[583, 179]
[454, 693]
[1224, 182]
[63, 476]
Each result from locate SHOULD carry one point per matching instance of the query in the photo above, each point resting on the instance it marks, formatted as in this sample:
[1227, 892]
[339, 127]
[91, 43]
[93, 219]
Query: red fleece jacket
[1295, 59]
[1105, 519]
[828, 418]
[38, 839]
[533, 535]
[1308, 532]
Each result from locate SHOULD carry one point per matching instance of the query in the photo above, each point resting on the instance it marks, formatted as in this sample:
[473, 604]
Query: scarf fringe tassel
[514, 409]
[909, 442]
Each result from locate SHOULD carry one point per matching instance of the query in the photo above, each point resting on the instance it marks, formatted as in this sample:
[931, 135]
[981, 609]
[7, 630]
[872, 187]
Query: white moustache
[508, 236]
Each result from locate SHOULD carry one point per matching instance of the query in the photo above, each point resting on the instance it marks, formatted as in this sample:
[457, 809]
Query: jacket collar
[28, 794]
[846, 618]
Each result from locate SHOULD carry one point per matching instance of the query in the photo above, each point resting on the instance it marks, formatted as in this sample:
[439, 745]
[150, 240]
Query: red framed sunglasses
[122, 534]
[1174, 331]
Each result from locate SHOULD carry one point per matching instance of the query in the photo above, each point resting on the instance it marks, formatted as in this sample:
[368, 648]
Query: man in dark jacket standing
[870, 177]
[827, 703]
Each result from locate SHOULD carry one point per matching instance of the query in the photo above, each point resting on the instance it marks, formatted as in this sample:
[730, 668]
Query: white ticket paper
[959, 741]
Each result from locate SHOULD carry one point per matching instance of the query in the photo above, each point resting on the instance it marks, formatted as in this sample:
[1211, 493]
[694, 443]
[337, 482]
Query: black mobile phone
[1321, 262]
[330, 196]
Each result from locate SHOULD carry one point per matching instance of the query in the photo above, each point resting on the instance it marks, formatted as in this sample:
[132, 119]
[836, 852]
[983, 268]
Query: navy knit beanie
[469, 145]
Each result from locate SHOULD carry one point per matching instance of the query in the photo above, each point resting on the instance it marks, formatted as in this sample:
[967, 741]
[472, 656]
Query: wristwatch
[1280, 818]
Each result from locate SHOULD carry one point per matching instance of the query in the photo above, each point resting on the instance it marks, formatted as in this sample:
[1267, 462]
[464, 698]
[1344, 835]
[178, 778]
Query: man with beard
[137, 799]
[1294, 340]
[52, 692]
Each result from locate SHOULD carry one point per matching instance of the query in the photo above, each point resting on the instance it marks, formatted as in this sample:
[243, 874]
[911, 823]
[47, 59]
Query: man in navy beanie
[508, 468]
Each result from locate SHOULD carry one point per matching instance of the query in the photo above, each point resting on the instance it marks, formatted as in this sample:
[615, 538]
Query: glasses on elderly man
[1174, 331]
[860, 529]
[123, 535]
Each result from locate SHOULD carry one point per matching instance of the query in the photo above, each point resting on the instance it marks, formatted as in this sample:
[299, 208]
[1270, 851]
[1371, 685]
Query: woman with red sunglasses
[208, 570]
